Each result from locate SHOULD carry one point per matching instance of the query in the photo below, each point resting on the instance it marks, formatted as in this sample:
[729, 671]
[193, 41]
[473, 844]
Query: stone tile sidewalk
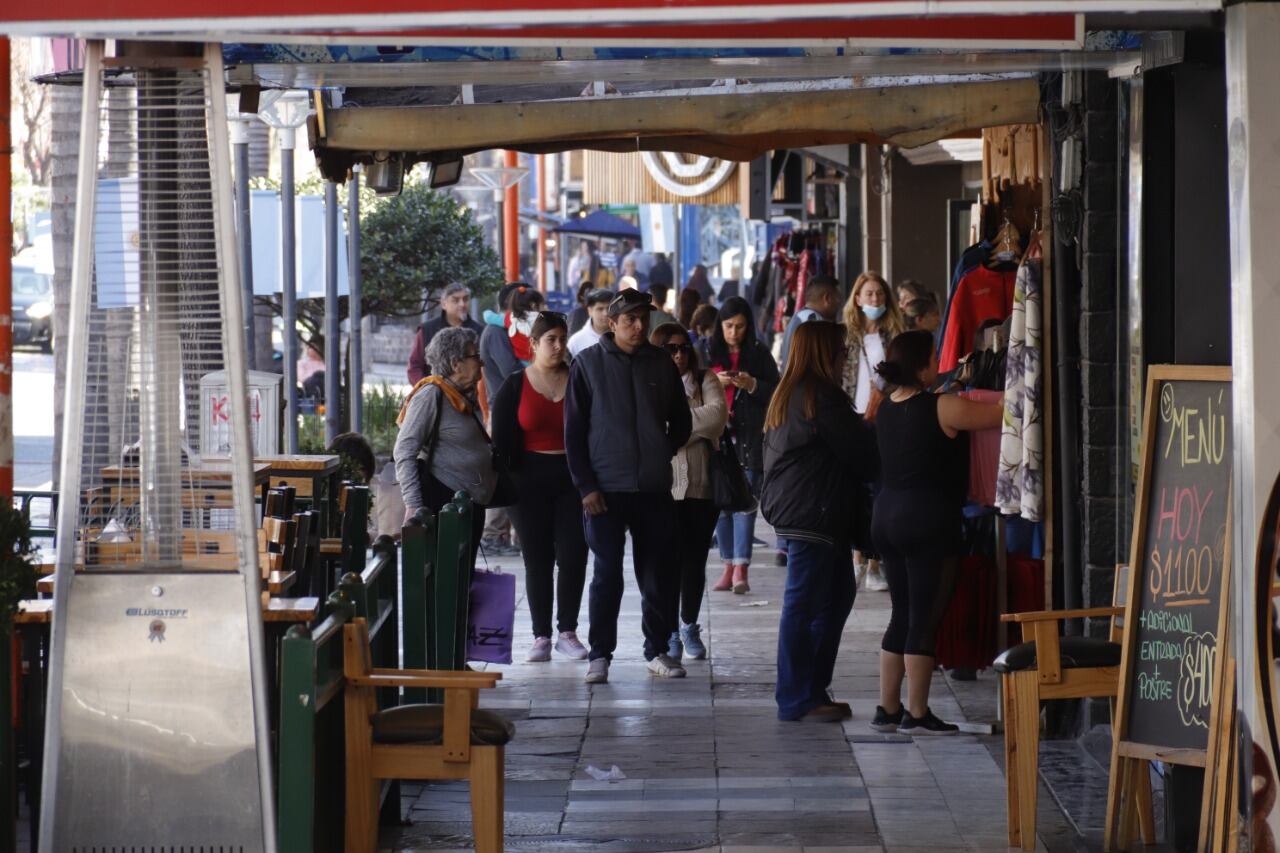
[709, 767]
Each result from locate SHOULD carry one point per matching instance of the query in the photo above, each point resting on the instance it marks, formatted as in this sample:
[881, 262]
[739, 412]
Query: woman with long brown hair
[871, 321]
[816, 454]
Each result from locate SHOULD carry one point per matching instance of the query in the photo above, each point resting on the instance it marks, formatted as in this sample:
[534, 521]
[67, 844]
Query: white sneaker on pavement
[540, 651]
[664, 667]
[570, 646]
[876, 583]
[598, 671]
[860, 575]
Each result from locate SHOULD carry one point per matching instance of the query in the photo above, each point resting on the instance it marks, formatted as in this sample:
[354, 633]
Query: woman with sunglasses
[691, 486]
[528, 435]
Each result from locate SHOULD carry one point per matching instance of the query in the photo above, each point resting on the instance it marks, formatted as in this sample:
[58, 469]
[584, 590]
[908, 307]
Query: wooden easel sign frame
[1173, 653]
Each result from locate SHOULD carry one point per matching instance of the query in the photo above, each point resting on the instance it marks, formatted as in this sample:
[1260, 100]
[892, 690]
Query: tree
[411, 245]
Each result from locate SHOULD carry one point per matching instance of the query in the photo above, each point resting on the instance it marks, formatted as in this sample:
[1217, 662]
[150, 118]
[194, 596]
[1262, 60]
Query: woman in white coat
[696, 514]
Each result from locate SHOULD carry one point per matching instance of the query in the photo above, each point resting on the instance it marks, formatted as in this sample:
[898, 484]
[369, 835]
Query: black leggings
[548, 519]
[915, 532]
[695, 521]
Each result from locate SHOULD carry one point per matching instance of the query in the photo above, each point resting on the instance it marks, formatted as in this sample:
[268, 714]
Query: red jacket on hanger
[982, 294]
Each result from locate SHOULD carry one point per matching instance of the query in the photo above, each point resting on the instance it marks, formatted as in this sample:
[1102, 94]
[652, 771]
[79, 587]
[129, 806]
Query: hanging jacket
[983, 294]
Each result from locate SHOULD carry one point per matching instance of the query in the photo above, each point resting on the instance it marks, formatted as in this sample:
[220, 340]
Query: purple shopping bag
[493, 617]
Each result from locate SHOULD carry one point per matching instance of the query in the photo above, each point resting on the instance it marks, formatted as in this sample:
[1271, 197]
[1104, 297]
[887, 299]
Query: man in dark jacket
[454, 304]
[625, 417]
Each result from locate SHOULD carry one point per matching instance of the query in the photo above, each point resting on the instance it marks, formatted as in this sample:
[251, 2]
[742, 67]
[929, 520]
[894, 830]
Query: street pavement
[708, 765]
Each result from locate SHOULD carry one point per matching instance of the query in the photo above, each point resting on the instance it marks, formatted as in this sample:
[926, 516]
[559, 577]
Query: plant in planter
[18, 573]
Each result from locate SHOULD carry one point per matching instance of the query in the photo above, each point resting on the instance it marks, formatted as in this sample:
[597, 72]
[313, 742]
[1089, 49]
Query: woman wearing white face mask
[871, 321]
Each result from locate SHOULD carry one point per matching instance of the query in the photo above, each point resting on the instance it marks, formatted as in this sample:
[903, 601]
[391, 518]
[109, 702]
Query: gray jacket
[461, 459]
[625, 417]
[497, 359]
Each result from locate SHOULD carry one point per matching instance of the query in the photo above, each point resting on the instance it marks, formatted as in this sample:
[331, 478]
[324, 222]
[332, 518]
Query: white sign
[671, 170]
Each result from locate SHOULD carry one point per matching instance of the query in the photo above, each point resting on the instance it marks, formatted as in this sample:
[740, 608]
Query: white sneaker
[570, 646]
[598, 671]
[860, 575]
[876, 583]
[540, 651]
[664, 667]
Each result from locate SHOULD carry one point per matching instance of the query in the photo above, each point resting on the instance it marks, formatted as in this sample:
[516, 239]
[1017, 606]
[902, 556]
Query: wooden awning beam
[732, 126]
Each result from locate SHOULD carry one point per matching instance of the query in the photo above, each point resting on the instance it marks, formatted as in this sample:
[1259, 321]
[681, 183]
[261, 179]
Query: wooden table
[313, 478]
[209, 483]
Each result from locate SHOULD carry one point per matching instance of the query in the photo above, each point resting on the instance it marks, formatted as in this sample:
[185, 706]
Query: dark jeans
[650, 518]
[818, 600]
[695, 521]
[548, 519]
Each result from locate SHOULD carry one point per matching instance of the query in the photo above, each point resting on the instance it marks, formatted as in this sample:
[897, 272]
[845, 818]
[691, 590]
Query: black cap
[629, 300]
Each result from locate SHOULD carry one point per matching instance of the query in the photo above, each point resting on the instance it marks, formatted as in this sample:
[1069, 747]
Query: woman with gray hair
[442, 447]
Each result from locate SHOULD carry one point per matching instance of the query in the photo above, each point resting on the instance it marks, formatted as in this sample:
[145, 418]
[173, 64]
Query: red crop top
[541, 420]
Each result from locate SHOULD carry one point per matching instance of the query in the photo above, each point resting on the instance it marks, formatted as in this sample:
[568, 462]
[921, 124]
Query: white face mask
[873, 312]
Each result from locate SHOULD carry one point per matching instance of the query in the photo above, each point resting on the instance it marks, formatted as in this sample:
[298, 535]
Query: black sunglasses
[677, 348]
[551, 315]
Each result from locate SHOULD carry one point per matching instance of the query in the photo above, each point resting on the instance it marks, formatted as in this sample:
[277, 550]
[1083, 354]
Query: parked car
[32, 307]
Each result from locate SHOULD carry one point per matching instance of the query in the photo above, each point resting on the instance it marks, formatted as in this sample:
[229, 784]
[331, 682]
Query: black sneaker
[926, 725]
[883, 721]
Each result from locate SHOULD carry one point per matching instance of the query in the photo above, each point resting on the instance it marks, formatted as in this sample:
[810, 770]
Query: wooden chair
[456, 740]
[1048, 665]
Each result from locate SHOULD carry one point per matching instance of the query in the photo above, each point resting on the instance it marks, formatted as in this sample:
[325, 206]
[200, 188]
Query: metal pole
[543, 279]
[355, 373]
[240, 143]
[6, 286]
[8, 748]
[498, 243]
[332, 333]
[289, 289]
[511, 223]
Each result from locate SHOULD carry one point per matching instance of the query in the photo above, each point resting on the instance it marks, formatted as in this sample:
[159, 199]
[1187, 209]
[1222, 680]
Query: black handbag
[730, 490]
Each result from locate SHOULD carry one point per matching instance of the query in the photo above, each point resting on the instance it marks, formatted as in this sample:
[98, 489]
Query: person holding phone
[748, 374]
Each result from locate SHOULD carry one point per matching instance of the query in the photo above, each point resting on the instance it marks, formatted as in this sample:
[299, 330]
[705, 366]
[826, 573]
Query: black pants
[436, 494]
[548, 519]
[650, 518]
[915, 532]
[695, 522]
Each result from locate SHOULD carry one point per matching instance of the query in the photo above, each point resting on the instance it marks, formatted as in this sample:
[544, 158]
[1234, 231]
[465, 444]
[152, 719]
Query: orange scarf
[451, 393]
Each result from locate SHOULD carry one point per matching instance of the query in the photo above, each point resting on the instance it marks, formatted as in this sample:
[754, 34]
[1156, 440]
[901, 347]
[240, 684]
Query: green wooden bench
[311, 747]
[437, 565]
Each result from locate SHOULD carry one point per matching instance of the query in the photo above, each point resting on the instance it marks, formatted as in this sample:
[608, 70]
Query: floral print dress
[1020, 480]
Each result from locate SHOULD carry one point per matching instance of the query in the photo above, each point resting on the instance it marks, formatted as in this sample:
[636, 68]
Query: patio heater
[157, 733]
[285, 112]
[499, 179]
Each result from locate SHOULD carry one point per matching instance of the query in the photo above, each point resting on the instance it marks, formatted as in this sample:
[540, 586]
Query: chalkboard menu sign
[1180, 567]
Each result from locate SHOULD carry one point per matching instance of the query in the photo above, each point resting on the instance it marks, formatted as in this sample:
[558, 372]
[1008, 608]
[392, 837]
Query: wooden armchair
[456, 740]
[1049, 665]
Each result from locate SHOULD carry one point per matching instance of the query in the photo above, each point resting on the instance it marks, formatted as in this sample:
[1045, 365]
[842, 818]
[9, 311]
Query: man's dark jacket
[418, 367]
[814, 468]
[625, 417]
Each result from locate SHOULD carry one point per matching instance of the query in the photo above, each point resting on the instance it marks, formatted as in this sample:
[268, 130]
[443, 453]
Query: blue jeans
[733, 532]
[816, 604]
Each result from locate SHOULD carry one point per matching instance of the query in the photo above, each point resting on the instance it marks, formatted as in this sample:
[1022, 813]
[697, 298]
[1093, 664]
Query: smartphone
[731, 373]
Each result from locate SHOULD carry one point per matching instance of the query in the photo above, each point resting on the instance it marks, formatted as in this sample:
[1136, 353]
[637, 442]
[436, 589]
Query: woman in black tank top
[916, 523]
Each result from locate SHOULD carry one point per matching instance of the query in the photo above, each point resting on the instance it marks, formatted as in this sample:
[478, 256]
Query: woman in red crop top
[528, 436]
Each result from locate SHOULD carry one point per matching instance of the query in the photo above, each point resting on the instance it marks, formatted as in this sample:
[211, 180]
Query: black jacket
[625, 416]
[749, 410]
[815, 467]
